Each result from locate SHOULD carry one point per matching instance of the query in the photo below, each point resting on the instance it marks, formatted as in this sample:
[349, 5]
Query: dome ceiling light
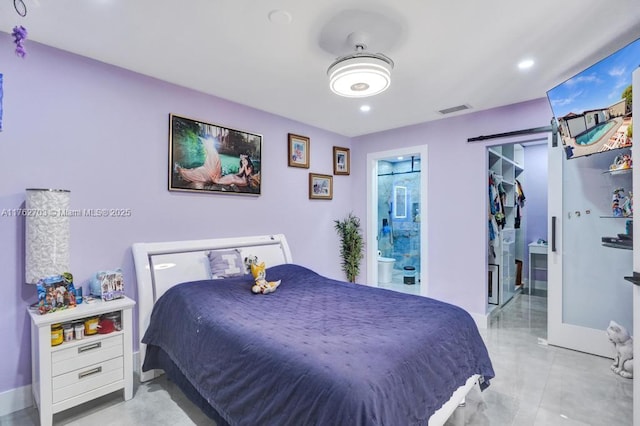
[362, 73]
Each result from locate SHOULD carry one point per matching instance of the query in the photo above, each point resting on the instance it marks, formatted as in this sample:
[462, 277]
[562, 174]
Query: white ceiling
[446, 53]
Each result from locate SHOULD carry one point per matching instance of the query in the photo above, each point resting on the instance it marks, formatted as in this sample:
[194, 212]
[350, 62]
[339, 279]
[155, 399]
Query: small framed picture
[320, 186]
[298, 151]
[341, 161]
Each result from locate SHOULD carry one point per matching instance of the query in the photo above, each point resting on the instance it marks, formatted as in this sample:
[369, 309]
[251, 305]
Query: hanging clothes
[520, 198]
[493, 212]
[497, 195]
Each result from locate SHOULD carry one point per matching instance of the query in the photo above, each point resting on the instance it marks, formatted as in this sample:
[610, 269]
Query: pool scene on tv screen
[593, 108]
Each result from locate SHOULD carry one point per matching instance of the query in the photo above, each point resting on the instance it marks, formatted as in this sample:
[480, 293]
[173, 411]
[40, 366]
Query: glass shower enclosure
[398, 205]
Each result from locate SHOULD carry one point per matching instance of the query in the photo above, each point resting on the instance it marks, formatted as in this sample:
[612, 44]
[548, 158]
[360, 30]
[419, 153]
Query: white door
[636, 266]
[587, 288]
[559, 332]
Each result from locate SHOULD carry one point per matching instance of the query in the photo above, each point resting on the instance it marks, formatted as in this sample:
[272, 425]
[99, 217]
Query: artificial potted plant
[351, 245]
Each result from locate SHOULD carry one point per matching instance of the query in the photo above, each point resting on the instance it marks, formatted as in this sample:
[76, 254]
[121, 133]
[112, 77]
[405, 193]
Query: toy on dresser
[107, 285]
[55, 293]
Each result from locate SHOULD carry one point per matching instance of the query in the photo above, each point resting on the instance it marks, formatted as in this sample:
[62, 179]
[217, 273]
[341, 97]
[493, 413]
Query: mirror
[400, 197]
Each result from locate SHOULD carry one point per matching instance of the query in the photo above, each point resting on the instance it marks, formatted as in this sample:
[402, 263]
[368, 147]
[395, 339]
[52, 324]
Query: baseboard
[15, 400]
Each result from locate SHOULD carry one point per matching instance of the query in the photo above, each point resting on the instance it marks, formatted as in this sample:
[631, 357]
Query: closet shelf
[617, 217]
[618, 171]
[618, 246]
[635, 279]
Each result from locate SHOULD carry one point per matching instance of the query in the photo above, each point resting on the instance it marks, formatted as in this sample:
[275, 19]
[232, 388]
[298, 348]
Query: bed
[315, 352]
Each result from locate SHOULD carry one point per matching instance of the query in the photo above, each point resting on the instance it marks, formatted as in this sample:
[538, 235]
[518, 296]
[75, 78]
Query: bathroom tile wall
[399, 227]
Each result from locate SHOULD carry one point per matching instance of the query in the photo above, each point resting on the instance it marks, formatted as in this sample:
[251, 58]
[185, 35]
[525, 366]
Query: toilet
[385, 269]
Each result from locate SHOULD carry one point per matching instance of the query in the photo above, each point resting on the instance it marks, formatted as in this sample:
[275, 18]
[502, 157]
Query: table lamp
[47, 233]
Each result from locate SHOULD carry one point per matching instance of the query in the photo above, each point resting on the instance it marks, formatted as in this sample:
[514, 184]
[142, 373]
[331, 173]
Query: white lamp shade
[47, 233]
[360, 76]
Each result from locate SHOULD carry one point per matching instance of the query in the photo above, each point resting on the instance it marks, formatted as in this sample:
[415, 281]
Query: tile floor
[535, 384]
[397, 283]
[542, 385]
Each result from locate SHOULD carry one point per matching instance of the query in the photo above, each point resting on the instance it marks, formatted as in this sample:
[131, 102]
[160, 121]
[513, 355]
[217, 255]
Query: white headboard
[160, 266]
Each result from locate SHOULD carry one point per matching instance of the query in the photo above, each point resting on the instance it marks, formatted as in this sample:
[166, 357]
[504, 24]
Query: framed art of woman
[210, 158]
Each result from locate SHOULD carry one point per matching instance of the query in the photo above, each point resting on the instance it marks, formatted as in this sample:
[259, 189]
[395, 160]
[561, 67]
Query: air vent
[454, 109]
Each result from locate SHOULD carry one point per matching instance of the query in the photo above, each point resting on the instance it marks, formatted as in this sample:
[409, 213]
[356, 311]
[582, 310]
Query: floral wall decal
[19, 36]
[19, 32]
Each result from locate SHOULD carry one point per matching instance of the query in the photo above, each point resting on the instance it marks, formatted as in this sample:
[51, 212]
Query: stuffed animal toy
[250, 260]
[623, 342]
[262, 286]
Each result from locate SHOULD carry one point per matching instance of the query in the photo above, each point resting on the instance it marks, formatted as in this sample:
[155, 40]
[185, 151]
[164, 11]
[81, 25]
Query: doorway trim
[372, 211]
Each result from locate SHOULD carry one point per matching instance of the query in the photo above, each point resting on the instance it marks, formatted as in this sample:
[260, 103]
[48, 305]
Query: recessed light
[525, 64]
[365, 108]
[400, 158]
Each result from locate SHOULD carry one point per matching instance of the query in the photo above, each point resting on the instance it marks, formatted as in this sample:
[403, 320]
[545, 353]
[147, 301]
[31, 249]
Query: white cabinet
[79, 370]
[537, 268]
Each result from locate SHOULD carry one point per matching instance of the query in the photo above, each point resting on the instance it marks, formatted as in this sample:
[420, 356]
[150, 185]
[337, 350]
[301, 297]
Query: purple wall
[457, 201]
[102, 132]
[536, 173]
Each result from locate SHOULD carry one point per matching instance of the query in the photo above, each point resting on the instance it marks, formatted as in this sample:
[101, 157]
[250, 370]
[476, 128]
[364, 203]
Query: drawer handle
[89, 372]
[89, 347]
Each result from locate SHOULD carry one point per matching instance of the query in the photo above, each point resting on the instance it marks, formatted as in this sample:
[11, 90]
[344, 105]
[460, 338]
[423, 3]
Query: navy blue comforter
[316, 351]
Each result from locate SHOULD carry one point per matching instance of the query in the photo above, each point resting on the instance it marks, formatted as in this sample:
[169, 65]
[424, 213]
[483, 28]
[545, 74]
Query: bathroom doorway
[397, 220]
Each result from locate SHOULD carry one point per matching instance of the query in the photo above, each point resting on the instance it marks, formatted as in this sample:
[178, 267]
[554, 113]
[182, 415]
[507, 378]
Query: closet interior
[507, 218]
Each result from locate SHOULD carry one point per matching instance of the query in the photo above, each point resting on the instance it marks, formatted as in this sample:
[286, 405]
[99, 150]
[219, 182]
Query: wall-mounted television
[593, 108]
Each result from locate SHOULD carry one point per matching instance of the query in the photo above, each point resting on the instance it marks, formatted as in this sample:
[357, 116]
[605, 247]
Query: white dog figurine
[623, 342]
[250, 260]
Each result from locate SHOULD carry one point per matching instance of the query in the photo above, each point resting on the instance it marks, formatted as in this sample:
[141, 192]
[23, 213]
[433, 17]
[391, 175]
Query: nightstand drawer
[88, 378]
[92, 351]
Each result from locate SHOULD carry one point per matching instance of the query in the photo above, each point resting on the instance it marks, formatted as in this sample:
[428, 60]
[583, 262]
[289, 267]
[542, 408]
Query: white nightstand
[77, 371]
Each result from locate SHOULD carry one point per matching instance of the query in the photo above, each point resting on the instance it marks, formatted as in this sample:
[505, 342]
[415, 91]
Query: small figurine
[621, 162]
[623, 343]
[627, 206]
[617, 201]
